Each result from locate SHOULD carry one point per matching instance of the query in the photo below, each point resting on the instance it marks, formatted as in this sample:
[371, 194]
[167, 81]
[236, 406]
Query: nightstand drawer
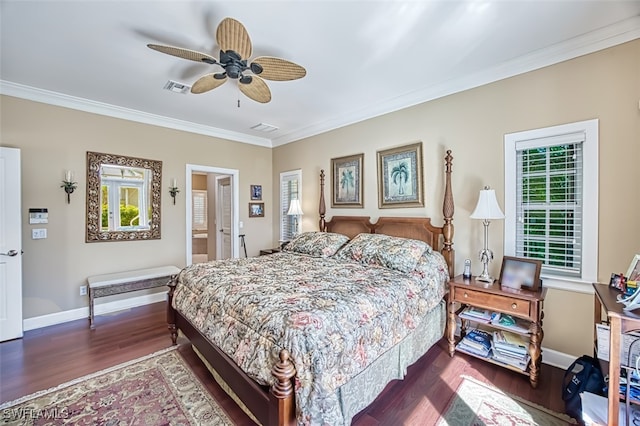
[493, 301]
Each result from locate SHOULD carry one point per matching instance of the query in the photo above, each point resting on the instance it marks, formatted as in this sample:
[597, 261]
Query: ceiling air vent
[176, 87]
[266, 128]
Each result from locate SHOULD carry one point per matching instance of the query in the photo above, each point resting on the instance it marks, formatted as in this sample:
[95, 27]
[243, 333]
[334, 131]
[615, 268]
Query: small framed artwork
[256, 209]
[520, 273]
[633, 273]
[256, 192]
[346, 188]
[618, 282]
[400, 177]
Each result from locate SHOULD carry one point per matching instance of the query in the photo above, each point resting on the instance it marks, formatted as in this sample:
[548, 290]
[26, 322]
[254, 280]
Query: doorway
[212, 219]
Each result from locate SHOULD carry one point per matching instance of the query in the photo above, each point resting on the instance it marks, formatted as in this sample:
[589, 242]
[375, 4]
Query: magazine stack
[476, 314]
[511, 349]
[476, 342]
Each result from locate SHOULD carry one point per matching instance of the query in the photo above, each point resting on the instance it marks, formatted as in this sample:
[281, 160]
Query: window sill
[567, 284]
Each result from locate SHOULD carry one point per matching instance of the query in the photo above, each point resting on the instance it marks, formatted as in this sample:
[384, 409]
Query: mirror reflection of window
[124, 198]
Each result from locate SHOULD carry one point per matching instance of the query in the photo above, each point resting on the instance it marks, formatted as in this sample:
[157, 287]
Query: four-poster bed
[352, 286]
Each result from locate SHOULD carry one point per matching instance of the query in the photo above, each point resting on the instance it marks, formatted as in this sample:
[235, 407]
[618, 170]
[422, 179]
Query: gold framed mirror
[123, 198]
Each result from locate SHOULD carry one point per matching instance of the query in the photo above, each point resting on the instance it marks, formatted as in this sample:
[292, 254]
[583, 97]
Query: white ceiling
[363, 58]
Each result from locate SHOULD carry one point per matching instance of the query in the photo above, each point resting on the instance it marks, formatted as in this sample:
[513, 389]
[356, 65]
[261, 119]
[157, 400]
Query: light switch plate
[39, 234]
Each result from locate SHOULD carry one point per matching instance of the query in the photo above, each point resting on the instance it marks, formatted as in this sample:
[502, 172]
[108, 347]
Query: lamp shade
[295, 209]
[487, 207]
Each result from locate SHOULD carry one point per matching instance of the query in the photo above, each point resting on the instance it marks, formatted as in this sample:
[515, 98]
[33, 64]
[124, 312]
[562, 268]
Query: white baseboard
[557, 358]
[83, 313]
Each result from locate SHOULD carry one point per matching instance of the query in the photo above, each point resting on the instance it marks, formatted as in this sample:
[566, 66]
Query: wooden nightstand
[522, 304]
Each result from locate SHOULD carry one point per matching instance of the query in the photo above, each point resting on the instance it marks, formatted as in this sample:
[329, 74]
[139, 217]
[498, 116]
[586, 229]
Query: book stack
[475, 314]
[511, 349]
[476, 342]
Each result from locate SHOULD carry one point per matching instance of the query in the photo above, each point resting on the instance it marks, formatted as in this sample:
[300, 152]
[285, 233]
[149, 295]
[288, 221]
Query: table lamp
[486, 209]
[295, 210]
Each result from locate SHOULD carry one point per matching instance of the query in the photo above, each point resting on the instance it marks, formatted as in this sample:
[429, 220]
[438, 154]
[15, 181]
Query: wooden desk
[620, 321]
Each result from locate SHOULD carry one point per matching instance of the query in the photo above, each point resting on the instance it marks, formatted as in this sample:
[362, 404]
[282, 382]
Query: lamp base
[485, 278]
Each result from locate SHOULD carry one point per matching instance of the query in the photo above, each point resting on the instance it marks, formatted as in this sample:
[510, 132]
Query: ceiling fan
[235, 50]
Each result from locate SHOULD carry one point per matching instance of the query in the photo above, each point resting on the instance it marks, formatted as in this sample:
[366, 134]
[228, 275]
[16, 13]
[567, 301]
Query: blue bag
[584, 375]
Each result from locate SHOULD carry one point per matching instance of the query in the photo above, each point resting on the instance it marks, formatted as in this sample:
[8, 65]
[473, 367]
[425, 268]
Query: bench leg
[92, 326]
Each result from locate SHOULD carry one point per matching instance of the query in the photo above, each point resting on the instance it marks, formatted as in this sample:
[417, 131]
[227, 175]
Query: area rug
[478, 404]
[158, 389]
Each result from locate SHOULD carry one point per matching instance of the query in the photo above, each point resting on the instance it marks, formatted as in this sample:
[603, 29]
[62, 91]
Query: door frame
[235, 205]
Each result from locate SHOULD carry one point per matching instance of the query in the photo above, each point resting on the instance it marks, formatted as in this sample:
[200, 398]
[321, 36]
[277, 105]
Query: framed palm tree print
[400, 177]
[346, 188]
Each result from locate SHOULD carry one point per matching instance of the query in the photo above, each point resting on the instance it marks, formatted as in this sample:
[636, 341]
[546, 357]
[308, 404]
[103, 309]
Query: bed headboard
[419, 228]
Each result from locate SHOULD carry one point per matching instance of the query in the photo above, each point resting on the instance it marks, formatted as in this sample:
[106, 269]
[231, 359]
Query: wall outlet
[83, 290]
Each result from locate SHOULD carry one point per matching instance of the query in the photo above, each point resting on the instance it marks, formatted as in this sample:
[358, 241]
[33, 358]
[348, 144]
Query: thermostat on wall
[38, 216]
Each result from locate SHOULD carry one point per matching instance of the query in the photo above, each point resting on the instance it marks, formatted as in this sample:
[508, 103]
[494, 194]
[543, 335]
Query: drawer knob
[514, 305]
[466, 295]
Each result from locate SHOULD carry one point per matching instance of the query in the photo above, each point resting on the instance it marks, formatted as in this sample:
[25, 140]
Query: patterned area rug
[478, 404]
[158, 389]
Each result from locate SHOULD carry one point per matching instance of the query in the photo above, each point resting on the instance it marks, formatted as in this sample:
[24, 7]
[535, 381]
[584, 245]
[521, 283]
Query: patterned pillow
[316, 244]
[401, 254]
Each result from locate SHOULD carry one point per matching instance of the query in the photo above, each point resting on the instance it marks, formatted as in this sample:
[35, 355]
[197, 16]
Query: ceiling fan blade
[191, 55]
[206, 83]
[277, 69]
[256, 90]
[232, 35]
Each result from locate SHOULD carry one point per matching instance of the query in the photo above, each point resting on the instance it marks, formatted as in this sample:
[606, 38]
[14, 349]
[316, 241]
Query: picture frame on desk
[520, 273]
[633, 273]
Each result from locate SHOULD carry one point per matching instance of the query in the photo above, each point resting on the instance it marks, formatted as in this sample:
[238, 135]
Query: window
[551, 201]
[199, 200]
[290, 188]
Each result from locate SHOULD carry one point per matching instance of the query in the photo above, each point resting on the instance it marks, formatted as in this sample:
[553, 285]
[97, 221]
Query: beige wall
[53, 139]
[603, 85]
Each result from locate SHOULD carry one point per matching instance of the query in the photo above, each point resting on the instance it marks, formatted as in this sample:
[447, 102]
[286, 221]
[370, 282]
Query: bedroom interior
[55, 134]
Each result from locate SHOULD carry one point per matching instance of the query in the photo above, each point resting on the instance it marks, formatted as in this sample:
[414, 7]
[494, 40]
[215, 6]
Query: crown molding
[9, 88]
[621, 32]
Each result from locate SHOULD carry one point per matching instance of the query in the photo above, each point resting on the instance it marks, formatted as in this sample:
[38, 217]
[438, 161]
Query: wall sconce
[68, 184]
[173, 190]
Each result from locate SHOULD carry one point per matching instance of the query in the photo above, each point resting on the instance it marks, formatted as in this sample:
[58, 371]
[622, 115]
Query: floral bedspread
[334, 316]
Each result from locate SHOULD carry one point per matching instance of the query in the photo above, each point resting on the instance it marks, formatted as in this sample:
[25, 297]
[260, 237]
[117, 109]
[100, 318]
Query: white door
[224, 218]
[10, 245]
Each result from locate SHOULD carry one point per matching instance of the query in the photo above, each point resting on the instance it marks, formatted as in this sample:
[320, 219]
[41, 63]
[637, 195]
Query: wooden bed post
[171, 314]
[282, 391]
[447, 210]
[322, 209]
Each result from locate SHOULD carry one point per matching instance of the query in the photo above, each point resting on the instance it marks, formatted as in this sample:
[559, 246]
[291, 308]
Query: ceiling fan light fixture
[235, 51]
[256, 68]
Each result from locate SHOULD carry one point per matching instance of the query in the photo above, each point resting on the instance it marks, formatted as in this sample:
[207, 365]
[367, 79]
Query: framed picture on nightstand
[520, 273]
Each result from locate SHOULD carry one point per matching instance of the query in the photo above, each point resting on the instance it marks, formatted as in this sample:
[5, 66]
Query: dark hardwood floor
[49, 356]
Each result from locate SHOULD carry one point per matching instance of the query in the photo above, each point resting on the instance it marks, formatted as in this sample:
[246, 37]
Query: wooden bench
[124, 282]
